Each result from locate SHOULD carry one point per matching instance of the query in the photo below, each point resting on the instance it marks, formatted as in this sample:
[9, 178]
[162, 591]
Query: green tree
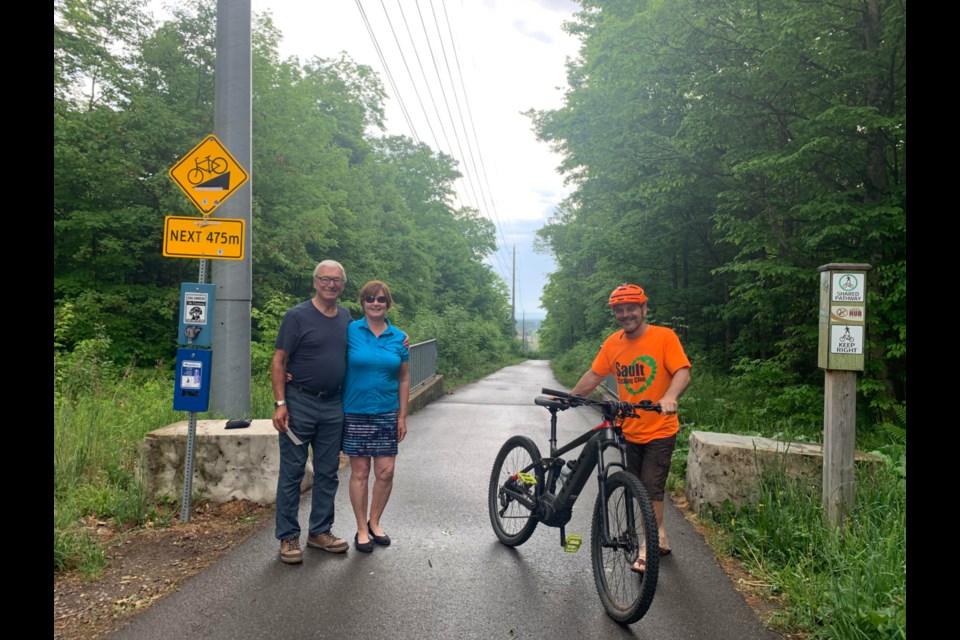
[131, 97]
[721, 152]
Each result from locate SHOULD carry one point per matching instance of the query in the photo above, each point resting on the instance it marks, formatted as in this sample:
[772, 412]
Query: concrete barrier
[231, 464]
[723, 467]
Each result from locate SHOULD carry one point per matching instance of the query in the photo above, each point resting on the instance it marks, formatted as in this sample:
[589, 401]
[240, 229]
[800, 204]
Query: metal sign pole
[186, 497]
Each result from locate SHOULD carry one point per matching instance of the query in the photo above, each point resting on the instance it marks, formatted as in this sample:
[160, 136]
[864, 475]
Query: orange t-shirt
[644, 369]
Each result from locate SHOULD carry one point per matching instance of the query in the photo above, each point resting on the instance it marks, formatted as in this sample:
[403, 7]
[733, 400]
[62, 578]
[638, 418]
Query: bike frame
[557, 511]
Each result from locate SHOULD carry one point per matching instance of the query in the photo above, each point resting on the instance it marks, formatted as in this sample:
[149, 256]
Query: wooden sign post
[843, 300]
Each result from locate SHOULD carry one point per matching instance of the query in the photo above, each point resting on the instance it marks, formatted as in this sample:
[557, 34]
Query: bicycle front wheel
[631, 529]
[513, 500]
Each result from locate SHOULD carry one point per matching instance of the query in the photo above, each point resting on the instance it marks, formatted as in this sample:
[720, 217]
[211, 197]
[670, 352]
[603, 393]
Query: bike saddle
[551, 403]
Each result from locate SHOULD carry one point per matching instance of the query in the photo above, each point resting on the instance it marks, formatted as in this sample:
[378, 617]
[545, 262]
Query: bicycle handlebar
[615, 407]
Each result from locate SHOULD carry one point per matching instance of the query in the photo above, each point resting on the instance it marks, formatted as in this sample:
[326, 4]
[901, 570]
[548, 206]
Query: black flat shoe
[381, 540]
[365, 547]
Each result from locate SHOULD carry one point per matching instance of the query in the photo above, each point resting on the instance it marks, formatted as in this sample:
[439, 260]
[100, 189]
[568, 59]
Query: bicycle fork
[591, 455]
[603, 470]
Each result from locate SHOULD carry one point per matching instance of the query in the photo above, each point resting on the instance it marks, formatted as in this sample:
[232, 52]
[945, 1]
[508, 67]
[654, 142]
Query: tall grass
[97, 431]
[835, 583]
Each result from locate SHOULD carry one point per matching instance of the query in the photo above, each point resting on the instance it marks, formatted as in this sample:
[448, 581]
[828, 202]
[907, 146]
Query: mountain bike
[527, 489]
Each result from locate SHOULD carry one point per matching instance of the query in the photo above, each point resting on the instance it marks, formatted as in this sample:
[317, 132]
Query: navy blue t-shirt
[316, 345]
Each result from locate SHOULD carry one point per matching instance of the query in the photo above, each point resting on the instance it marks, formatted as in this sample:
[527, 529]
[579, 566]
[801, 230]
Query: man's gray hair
[331, 263]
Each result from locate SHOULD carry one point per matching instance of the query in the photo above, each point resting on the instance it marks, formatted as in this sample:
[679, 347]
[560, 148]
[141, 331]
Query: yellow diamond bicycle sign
[208, 174]
[209, 238]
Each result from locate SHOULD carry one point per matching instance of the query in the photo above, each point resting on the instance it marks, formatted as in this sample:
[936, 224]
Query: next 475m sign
[208, 174]
[203, 238]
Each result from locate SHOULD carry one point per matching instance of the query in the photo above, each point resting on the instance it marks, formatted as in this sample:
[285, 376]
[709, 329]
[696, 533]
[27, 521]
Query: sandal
[639, 566]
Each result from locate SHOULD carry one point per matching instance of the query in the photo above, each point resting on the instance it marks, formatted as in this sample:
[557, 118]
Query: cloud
[536, 34]
[559, 6]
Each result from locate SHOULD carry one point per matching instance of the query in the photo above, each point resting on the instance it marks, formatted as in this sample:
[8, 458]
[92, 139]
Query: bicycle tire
[512, 521]
[626, 596]
[195, 176]
[218, 165]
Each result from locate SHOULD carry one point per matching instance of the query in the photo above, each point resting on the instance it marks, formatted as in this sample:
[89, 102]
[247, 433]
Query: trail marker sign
[207, 238]
[208, 174]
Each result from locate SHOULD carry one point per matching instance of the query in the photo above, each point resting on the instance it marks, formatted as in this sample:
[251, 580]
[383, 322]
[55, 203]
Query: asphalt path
[446, 575]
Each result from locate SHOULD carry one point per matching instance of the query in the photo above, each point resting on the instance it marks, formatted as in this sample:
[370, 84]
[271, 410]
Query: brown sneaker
[328, 542]
[290, 551]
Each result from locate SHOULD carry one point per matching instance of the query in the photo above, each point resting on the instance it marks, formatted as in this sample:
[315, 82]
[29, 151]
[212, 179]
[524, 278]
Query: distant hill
[528, 323]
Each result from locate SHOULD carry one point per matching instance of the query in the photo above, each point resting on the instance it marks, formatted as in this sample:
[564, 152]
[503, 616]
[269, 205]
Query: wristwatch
[279, 403]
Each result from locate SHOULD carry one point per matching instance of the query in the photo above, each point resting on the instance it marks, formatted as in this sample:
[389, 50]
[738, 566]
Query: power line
[386, 68]
[407, 67]
[453, 86]
[466, 99]
[468, 163]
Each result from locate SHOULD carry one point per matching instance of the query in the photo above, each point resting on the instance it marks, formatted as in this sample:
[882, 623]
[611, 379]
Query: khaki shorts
[651, 463]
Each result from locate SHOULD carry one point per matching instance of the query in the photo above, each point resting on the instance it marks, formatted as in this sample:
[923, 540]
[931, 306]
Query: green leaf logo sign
[639, 375]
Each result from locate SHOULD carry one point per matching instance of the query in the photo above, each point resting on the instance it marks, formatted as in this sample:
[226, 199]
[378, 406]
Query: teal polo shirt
[373, 364]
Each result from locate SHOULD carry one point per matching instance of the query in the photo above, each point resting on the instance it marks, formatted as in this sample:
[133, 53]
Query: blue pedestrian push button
[191, 390]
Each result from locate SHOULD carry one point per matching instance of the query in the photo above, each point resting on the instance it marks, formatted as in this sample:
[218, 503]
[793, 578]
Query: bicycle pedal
[528, 478]
[573, 543]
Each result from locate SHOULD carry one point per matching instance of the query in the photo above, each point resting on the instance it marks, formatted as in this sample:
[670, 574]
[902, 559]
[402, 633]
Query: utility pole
[523, 331]
[230, 382]
[513, 302]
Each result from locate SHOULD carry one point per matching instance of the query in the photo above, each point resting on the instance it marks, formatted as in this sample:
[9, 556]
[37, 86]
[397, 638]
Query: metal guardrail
[423, 362]
[609, 385]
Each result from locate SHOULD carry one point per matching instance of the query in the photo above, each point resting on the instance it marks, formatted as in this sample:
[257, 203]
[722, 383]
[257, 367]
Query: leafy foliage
[131, 96]
[720, 153]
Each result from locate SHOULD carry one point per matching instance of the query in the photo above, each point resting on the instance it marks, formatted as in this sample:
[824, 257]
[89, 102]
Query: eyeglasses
[325, 280]
[371, 299]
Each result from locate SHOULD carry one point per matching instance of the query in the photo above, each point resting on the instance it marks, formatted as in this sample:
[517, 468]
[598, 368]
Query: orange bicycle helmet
[625, 294]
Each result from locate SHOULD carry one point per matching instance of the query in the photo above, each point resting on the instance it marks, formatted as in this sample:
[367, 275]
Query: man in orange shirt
[649, 363]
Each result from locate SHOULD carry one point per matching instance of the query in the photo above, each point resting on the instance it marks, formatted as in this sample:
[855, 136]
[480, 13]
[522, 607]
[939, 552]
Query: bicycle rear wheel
[632, 527]
[512, 501]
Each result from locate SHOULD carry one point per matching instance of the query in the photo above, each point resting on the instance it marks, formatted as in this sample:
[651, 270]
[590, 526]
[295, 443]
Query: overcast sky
[464, 71]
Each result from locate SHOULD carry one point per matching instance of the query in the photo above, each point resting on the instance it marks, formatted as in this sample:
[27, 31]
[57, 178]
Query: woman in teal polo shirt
[375, 395]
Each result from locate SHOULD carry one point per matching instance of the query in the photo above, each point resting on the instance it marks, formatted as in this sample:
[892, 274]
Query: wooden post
[843, 298]
[839, 444]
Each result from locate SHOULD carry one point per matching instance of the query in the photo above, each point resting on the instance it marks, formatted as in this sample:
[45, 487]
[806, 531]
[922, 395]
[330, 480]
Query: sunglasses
[371, 299]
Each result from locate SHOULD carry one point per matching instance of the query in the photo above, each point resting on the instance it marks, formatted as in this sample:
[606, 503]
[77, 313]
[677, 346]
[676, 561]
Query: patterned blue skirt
[370, 435]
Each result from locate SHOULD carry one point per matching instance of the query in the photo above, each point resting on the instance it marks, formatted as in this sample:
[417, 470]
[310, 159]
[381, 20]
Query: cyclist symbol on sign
[216, 166]
[846, 337]
[848, 283]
